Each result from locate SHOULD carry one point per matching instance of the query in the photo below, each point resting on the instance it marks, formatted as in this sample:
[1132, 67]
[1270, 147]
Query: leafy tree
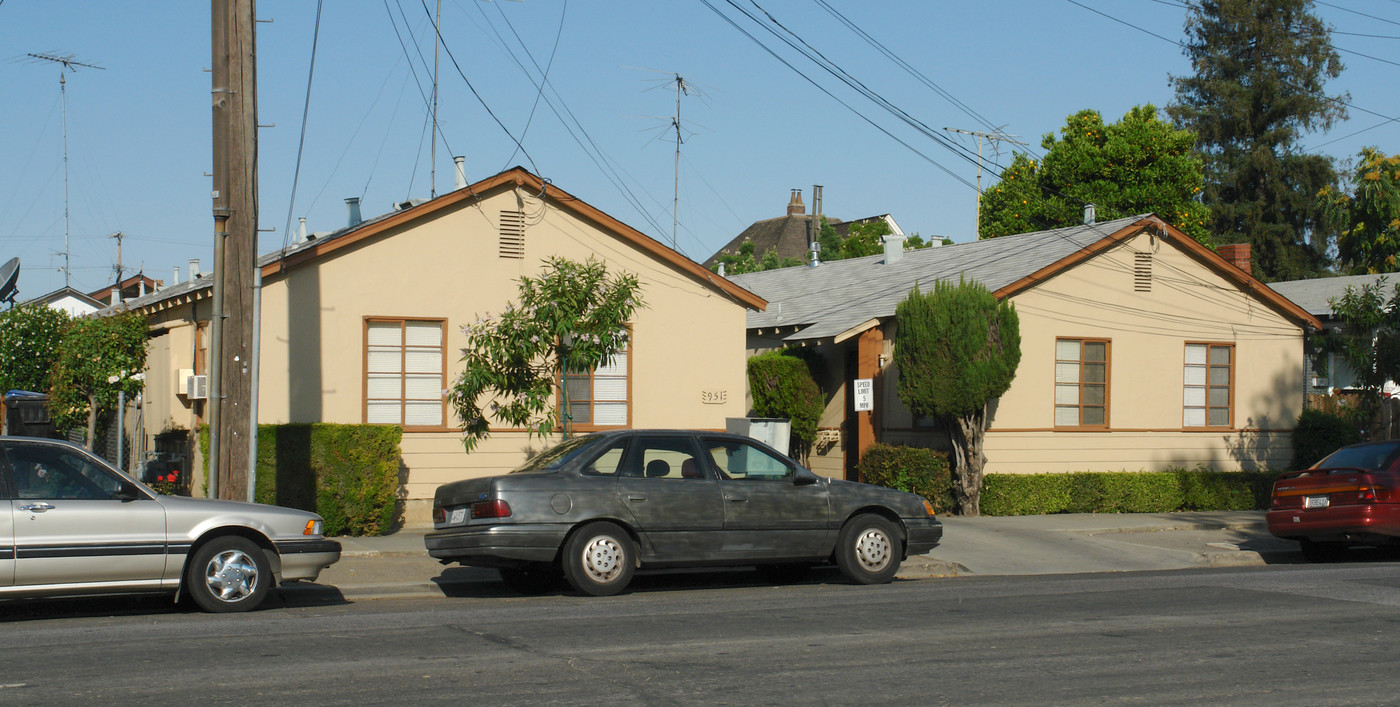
[1260, 67]
[862, 239]
[957, 350]
[98, 358]
[746, 262]
[572, 316]
[1368, 340]
[29, 344]
[1368, 220]
[782, 386]
[1139, 164]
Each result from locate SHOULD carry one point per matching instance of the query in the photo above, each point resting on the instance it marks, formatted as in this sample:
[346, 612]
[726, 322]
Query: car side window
[665, 458]
[609, 463]
[737, 460]
[43, 472]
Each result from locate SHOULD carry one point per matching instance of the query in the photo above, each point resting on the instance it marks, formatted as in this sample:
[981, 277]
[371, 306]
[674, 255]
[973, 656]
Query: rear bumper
[924, 535]
[497, 545]
[1357, 522]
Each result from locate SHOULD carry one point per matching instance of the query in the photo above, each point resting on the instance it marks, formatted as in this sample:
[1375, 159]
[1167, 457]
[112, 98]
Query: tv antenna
[66, 63]
[993, 137]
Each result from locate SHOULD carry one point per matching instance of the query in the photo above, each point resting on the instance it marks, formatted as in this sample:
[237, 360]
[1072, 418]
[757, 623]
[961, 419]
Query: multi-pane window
[404, 372]
[1209, 385]
[1081, 383]
[599, 398]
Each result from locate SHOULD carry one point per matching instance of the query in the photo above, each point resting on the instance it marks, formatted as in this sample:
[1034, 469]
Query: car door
[70, 526]
[7, 532]
[674, 502]
[767, 515]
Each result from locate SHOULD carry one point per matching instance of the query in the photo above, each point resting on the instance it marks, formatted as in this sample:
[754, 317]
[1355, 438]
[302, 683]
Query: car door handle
[636, 498]
[36, 507]
[738, 499]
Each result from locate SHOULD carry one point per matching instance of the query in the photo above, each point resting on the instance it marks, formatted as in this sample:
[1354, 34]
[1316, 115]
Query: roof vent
[1089, 215]
[816, 254]
[352, 205]
[460, 180]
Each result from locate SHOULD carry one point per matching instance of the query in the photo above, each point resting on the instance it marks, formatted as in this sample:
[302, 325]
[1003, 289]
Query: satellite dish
[9, 279]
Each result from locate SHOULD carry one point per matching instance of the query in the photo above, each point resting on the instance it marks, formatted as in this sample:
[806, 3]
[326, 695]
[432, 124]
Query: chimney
[721, 270]
[894, 249]
[1089, 215]
[352, 205]
[116, 295]
[301, 229]
[194, 269]
[795, 205]
[175, 276]
[461, 179]
[1237, 254]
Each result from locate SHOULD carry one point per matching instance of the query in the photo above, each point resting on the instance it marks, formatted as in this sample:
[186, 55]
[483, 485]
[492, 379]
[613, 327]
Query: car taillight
[491, 509]
[439, 514]
[1373, 493]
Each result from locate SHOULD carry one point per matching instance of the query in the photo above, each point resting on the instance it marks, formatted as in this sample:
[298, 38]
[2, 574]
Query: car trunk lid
[1326, 488]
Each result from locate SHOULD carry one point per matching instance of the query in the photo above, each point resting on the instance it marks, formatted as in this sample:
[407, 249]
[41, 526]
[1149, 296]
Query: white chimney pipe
[461, 179]
[301, 230]
[353, 206]
[1089, 215]
[194, 269]
[175, 276]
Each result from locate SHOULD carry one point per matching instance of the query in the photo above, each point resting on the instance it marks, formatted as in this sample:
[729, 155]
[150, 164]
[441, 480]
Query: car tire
[599, 559]
[868, 550]
[532, 579]
[1318, 551]
[783, 573]
[228, 574]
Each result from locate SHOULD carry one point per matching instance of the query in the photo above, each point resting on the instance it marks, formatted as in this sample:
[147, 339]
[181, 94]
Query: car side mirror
[127, 492]
[804, 477]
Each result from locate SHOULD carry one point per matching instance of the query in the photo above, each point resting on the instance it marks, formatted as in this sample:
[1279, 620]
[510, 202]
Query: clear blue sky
[139, 130]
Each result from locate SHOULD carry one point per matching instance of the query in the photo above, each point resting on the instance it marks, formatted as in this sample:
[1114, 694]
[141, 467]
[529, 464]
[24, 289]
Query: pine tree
[1260, 67]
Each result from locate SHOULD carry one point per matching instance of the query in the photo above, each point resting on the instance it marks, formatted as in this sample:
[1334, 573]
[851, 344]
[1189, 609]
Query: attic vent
[513, 234]
[1142, 272]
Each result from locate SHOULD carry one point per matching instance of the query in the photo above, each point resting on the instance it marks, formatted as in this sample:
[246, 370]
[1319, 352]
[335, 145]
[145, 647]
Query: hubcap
[873, 550]
[602, 559]
[231, 575]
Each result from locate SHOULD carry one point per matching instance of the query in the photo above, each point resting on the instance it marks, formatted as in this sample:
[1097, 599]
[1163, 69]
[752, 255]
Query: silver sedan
[77, 526]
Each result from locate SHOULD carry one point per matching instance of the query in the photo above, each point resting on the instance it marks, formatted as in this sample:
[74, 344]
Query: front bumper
[304, 559]
[497, 545]
[924, 534]
[1353, 522]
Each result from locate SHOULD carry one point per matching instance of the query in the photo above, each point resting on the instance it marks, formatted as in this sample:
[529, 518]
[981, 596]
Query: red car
[1352, 497]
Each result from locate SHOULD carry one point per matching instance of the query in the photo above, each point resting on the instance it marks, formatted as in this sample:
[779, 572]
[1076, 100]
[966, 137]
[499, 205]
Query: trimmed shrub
[1126, 492]
[1321, 433]
[921, 471]
[782, 386]
[348, 474]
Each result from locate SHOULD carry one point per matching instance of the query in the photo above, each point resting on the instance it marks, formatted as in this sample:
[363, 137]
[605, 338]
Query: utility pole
[66, 63]
[437, 44]
[993, 137]
[235, 196]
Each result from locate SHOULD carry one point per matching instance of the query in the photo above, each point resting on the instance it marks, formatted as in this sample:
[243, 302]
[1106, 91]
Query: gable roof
[66, 293]
[842, 298]
[286, 259]
[1313, 294]
[786, 234]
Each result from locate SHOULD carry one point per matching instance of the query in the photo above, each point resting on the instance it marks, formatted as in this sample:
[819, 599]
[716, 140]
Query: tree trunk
[92, 423]
[966, 435]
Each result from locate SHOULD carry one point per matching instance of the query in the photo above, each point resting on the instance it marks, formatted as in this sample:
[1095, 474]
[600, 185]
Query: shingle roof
[1313, 294]
[835, 297]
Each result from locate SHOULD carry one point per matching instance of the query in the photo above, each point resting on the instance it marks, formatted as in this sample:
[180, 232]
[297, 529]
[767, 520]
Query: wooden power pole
[235, 194]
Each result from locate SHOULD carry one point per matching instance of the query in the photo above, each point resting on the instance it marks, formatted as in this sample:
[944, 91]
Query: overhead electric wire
[301, 140]
[544, 73]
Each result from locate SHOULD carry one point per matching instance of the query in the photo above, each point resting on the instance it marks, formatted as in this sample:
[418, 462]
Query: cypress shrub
[1320, 433]
[921, 471]
[782, 386]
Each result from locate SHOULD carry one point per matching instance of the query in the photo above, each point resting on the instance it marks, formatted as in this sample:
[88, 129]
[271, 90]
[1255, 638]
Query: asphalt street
[1292, 634]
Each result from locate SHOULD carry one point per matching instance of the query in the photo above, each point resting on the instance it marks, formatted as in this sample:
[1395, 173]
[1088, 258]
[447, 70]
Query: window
[54, 473]
[1081, 383]
[1209, 385]
[405, 372]
[743, 461]
[664, 458]
[600, 398]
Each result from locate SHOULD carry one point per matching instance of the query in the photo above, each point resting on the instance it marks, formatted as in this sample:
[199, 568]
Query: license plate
[1316, 501]
[459, 515]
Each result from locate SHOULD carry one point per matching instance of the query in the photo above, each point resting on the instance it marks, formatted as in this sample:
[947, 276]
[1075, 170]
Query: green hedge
[349, 474]
[1125, 492]
[1320, 433]
[921, 471]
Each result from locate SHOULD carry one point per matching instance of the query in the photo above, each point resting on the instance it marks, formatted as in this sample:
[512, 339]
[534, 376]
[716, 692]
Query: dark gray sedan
[596, 508]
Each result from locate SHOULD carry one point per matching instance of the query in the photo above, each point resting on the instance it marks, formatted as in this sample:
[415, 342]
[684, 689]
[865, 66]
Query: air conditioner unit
[1319, 382]
[197, 387]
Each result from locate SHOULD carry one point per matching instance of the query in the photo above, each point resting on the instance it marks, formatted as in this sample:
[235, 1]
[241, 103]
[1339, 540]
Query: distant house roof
[68, 300]
[132, 287]
[1313, 294]
[842, 298]
[290, 257]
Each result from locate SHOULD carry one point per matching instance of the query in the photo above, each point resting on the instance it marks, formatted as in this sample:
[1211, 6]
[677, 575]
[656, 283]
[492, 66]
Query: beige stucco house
[1140, 349]
[363, 325]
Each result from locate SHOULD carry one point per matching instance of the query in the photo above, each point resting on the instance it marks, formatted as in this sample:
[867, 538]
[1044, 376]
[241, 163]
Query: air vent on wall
[513, 234]
[1142, 272]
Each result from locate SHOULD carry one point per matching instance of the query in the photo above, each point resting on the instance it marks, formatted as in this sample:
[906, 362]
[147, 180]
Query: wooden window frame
[1107, 382]
[1230, 411]
[403, 401]
[590, 426]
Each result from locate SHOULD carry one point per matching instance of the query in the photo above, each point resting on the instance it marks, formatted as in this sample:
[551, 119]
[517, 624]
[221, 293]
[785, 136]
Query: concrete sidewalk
[398, 565]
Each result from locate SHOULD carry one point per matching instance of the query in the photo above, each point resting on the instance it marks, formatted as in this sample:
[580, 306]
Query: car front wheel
[599, 559]
[868, 549]
[228, 574]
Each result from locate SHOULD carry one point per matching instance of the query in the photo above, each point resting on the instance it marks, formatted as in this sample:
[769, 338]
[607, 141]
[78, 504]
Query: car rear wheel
[599, 559]
[868, 549]
[1318, 551]
[228, 574]
[532, 579]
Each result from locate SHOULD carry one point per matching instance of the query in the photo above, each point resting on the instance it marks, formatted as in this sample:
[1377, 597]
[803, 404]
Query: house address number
[714, 397]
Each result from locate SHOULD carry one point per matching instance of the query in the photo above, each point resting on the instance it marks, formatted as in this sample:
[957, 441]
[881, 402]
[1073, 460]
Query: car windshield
[1371, 457]
[556, 456]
